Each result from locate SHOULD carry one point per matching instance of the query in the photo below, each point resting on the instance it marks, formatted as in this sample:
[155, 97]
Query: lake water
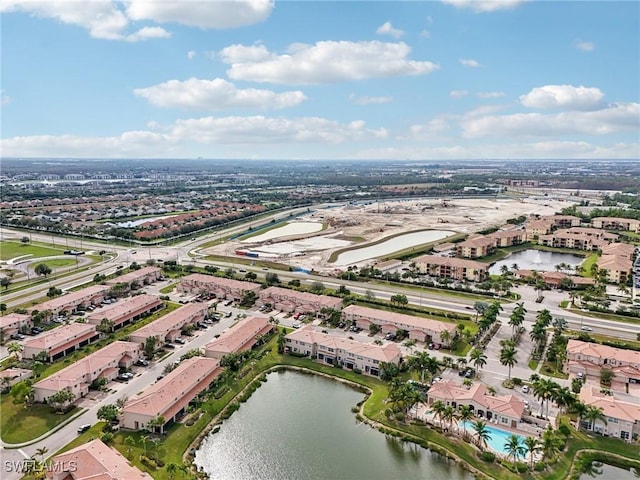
[301, 427]
[536, 260]
[607, 472]
[392, 245]
[294, 228]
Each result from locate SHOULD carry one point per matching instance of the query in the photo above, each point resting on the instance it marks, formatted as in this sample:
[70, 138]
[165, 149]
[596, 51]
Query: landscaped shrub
[399, 416]
[220, 392]
[488, 456]
[539, 466]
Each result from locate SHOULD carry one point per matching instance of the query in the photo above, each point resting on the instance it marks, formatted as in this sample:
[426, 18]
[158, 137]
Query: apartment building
[508, 238]
[625, 250]
[93, 461]
[78, 376]
[506, 410]
[420, 329]
[126, 311]
[223, 288]
[169, 397]
[287, 300]
[618, 268]
[239, 338]
[614, 223]
[12, 323]
[454, 268]
[168, 328]
[534, 229]
[137, 278]
[70, 302]
[476, 246]
[61, 341]
[622, 419]
[350, 354]
[564, 221]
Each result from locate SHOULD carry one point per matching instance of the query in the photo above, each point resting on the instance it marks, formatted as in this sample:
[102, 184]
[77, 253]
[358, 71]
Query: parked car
[296, 325]
[170, 346]
[180, 341]
[84, 428]
[525, 389]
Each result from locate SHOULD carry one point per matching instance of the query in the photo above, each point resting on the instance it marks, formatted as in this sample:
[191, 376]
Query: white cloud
[363, 100]
[585, 46]
[490, 94]
[387, 29]
[203, 14]
[4, 98]
[216, 94]
[324, 62]
[615, 118]
[425, 33]
[433, 129]
[563, 96]
[458, 93]
[191, 54]
[481, 6]
[147, 33]
[471, 63]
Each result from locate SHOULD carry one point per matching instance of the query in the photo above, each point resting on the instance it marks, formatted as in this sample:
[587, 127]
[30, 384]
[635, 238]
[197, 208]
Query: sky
[261, 79]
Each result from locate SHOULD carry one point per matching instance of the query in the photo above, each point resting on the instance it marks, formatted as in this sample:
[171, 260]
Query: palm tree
[14, 348]
[508, 357]
[445, 337]
[448, 415]
[537, 333]
[559, 324]
[593, 414]
[544, 390]
[130, 442]
[550, 444]
[419, 362]
[144, 439]
[42, 452]
[532, 446]
[465, 414]
[481, 433]
[438, 408]
[517, 316]
[563, 397]
[514, 448]
[172, 468]
[478, 358]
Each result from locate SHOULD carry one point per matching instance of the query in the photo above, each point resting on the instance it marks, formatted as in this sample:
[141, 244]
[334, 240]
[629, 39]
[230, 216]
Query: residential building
[169, 397]
[350, 354]
[137, 278]
[625, 250]
[61, 341]
[618, 268]
[564, 221]
[534, 229]
[578, 238]
[168, 327]
[508, 238]
[126, 311]
[419, 328]
[555, 279]
[476, 246]
[223, 288]
[622, 419]
[613, 223]
[388, 265]
[588, 359]
[12, 324]
[73, 301]
[238, 338]
[455, 268]
[93, 461]
[504, 410]
[78, 376]
[11, 376]
[287, 300]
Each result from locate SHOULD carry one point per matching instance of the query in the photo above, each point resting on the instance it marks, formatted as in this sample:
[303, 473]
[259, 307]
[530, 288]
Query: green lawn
[18, 424]
[60, 262]
[587, 263]
[169, 288]
[9, 250]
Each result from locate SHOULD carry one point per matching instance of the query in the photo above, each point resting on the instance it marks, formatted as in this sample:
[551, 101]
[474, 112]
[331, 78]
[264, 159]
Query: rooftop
[236, 337]
[302, 297]
[59, 336]
[415, 322]
[123, 307]
[171, 321]
[225, 282]
[611, 406]
[589, 349]
[72, 297]
[134, 275]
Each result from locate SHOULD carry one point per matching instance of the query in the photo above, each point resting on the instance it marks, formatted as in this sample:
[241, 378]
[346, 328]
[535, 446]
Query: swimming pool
[498, 437]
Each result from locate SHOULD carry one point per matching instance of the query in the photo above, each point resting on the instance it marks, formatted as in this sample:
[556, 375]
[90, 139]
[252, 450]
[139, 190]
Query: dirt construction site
[358, 224]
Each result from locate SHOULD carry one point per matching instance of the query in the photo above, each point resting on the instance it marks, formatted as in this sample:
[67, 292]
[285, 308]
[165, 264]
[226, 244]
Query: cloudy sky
[451, 79]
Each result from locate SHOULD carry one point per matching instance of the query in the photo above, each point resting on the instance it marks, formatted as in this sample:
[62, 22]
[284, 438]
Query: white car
[584, 328]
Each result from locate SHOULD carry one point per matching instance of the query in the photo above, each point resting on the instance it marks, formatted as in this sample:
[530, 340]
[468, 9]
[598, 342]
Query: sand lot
[349, 225]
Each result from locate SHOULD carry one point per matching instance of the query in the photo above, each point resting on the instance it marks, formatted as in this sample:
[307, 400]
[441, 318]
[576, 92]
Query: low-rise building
[324, 348]
[504, 410]
[137, 278]
[78, 376]
[93, 461]
[455, 268]
[72, 301]
[564, 221]
[169, 397]
[238, 338]
[578, 238]
[622, 419]
[625, 250]
[126, 311]
[12, 324]
[618, 268]
[168, 328]
[588, 359]
[556, 279]
[476, 246]
[223, 288]
[61, 341]
[534, 229]
[287, 300]
[11, 376]
[419, 328]
[613, 223]
[508, 238]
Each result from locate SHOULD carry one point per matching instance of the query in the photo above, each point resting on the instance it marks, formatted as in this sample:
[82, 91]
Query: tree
[53, 292]
[481, 433]
[544, 390]
[421, 362]
[532, 446]
[105, 326]
[517, 316]
[14, 348]
[388, 371]
[157, 422]
[42, 451]
[250, 276]
[445, 337]
[373, 328]
[172, 468]
[550, 444]
[61, 399]
[465, 414]
[130, 442]
[5, 282]
[317, 287]
[563, 398]
[143, 440]
[593, 414]
[25, 240]
[271, 278]
[508, 358]
[150, 347]
[399, 299]
[480, 308]
[514, 448]
[478, 358]
[606, 375]
[438, 407]
[248, 299]
[42, 269]
[23, 392]
[108, 413]
[343, 291]
[3, 307]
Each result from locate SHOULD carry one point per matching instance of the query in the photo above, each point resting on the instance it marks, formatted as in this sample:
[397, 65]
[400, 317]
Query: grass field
[60, 262]
[10, 249]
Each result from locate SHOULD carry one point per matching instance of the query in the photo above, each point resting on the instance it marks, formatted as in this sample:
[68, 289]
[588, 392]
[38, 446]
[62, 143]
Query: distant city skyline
[437, 80]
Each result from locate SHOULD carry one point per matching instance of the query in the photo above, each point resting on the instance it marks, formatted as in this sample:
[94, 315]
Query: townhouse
[555, 279]
[588, 359]
[78, 377]
[137, 278]
[73, 301]
[11, 376]
[476, 246]
[287, 300]
[455, 268]
[223, 288]
[126, 311]
[506, 410]
[622, 419]
[13, 323]
[420, 329]
[240, 338]
[168, 328]
[614, 223]
[61, 341]
[169, 397]
[92, 461]
[339, 351]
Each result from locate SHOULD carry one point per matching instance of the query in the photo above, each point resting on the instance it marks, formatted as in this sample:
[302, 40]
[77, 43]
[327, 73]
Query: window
[376, 362]
[330, 349]
[624, 435]
[612, 420]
